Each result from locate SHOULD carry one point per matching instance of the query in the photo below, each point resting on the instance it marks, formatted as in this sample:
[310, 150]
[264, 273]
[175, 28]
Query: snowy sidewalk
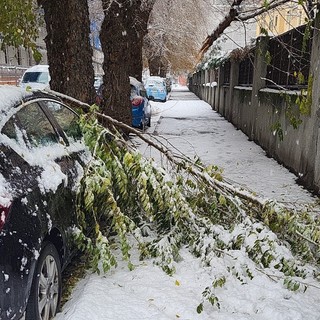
[195, 129]
[147, 293]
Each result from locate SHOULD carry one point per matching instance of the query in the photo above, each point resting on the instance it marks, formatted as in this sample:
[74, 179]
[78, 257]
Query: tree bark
[122, 33]
[115, 45]
[68, 48]
[136, 36]
[157, 66]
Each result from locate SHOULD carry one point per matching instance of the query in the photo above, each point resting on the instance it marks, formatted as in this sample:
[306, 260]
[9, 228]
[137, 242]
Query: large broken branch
[214, 183]
[235, 15]
[236, 203]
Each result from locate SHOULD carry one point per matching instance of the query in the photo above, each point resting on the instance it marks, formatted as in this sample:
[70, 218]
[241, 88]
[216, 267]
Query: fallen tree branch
[307, 239]
[214, 183]
[240, 197]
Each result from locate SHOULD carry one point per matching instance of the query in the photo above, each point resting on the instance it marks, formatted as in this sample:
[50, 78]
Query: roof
[39, 68]
[135, 82]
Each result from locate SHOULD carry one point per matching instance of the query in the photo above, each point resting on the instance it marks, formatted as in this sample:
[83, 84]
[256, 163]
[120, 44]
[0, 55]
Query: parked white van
[36, 77]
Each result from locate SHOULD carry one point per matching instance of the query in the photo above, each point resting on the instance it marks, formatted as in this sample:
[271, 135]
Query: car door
[44, 144]
[65, 120]
[28, 142]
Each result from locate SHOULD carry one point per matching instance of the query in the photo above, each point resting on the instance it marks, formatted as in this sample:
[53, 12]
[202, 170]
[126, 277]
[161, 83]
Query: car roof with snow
[10, 96]
[136, 83]
[39, 68]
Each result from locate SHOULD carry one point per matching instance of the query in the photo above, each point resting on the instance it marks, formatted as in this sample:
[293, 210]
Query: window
[30, 126]
[300, 18]
[290, 16]
[66, 118]
[6, 57]
[133, 92]
[40, 77]
[271, 25]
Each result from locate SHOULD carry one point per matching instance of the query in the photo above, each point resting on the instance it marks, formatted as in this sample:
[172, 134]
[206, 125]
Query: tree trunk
[136, 36]
[157, 67]
[68, 48]
[116, 47]
[135, 64]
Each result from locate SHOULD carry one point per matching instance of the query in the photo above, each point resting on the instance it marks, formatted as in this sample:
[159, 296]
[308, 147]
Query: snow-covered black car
[41, 161]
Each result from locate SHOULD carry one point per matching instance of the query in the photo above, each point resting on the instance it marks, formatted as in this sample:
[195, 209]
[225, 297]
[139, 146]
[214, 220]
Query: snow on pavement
[147, 292]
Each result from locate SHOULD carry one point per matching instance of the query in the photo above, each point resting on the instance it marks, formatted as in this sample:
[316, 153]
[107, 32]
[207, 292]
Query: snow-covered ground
[147, 292]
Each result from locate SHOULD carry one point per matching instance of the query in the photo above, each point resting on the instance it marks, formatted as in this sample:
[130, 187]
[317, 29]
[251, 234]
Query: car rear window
[155, 83]
[39, 77]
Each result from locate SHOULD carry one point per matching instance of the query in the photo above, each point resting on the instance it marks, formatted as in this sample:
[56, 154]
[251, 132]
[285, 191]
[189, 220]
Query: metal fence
[226, 69]
[289, 56]
[246, 70]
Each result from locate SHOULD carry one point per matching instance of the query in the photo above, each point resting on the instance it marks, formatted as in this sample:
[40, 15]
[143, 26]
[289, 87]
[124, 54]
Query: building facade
[281, 19]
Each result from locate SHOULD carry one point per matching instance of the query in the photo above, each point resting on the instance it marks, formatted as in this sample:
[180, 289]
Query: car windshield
[40, 77]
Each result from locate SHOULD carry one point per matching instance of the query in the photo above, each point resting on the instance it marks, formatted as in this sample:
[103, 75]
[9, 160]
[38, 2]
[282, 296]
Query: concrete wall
[262, 113]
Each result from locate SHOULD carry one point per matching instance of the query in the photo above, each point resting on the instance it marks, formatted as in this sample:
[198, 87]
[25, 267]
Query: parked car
[156, 89]
[36, 77]
[41, 161]
[141, 110]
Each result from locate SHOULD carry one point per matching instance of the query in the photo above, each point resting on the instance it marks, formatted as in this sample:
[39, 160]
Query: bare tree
[175, 30]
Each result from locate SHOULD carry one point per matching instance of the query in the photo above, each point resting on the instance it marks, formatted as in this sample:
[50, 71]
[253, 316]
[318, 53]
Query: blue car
[156, 89]
[141, 110]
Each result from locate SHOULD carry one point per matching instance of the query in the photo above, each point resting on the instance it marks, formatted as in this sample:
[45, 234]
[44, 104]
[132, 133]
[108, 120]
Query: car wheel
[45, 291]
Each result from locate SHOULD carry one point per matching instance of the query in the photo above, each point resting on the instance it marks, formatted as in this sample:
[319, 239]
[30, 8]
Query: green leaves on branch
[124, 196]
[19, 25]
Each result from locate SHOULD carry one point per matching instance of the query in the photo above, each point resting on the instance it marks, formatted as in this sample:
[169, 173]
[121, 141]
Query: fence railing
[246, 70]
[289, 59]
[226, 69]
